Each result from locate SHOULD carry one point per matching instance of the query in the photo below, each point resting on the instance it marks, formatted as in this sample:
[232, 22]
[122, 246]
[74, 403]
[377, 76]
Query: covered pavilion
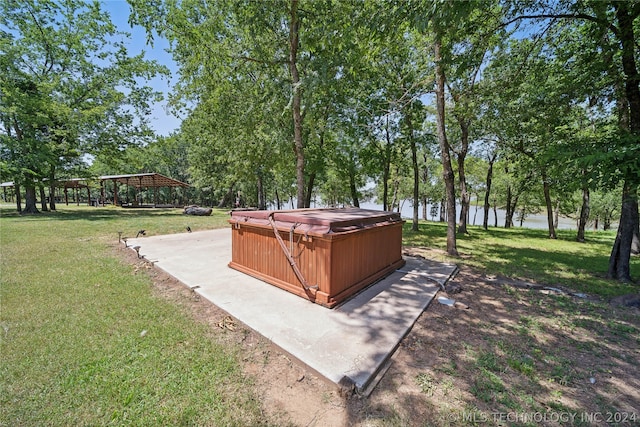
[7, 185]
[141, 181]
[75, 184]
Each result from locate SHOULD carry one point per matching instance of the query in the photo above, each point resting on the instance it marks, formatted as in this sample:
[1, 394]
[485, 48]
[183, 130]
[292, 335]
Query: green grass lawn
[530, 255]
[85, 341]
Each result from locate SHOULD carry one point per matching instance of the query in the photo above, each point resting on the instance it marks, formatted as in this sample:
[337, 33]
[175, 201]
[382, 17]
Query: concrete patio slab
[352, 340]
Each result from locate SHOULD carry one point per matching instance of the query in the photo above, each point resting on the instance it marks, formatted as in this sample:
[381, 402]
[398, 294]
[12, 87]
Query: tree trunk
[261, 197]
[584, 214]
[312, 176]
[18, 191]
[294, 27]
[52, 188]
[227, 199]
[465, 199]
[629, 66]
[385, 188]
[416, 174]
[635, 242]
[396, 188]
[352, 188]
[476, 211]
[30, 199]
[52, 198]
[512, 209]
[449, 178]
[43, 198]
[485, 220]
[425, 180]
[547, 200]
[443, 212]
[606, 221]
[495, 215]
[386, 169]
[309, 192]
[508, 216]
[619, 261]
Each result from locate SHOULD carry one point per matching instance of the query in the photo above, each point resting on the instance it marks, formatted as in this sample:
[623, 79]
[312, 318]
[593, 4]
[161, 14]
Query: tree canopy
[532, 107]
[69, 88]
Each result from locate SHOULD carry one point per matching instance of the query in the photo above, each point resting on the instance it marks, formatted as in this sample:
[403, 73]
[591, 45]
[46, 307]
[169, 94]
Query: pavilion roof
[73, 183]
[139, 180]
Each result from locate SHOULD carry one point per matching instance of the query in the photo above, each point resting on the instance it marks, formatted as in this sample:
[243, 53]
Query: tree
[381, 152]
[220, 43]
[68, 88]
[445, 148]
[492, 156]
[294, 41]
[407, 82]
[412, 114]
[472, 51]
[604, 208]
[535, 107]
[444, 22]
[611, 27]
[432, 187]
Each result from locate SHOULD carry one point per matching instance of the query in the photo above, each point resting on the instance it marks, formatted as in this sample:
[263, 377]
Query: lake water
[531, 221]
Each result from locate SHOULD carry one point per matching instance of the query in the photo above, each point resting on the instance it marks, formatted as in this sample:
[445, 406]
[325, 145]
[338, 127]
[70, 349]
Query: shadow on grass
[514, 352]
[520, 352]
[529, 254]
[155, 221]
[90, 213]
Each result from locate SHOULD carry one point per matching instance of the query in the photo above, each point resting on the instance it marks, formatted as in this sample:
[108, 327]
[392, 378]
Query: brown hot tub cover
[325, 255]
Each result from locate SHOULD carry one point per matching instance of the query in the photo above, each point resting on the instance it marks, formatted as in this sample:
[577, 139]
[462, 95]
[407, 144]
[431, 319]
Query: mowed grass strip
[84, 341]
[528, 254]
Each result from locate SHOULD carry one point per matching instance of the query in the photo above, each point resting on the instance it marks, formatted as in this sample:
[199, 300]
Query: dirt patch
[515, 356]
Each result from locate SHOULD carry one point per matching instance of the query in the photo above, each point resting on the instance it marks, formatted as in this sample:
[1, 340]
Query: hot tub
[324, 255]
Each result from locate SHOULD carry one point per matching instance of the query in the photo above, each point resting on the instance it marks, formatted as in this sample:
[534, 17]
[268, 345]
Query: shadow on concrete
[347, 345]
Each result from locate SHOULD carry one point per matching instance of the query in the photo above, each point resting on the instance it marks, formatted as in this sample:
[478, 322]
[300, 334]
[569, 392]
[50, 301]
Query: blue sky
[161, 120]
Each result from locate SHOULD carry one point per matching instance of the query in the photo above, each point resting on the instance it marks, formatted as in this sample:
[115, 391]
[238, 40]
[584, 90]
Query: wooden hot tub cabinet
[324, 255]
